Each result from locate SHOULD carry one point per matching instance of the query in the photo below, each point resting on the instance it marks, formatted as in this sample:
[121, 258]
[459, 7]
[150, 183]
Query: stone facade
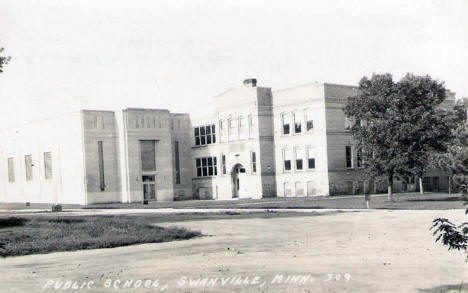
[257, 143]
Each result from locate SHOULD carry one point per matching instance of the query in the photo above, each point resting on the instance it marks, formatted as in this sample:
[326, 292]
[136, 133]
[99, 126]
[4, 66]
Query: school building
[256, 143]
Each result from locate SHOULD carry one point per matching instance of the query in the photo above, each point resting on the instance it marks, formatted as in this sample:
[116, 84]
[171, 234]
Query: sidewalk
[113, 212]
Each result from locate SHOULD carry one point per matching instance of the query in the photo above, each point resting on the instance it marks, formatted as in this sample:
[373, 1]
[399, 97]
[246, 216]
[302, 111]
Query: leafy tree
[3, 60]
[456, 160]
[398, 124]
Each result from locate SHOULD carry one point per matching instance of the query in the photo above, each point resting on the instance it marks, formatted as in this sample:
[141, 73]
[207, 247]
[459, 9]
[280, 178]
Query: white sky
[80, 54]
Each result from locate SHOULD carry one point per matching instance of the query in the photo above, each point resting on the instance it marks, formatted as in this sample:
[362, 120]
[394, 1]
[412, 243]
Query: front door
[149, 187]
[238, 174]
[427, 186]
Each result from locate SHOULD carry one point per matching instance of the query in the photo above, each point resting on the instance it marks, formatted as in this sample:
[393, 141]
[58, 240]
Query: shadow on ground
[454, 198]
[462, 288]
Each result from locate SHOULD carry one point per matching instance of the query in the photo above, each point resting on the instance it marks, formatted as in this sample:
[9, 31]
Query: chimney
[251, 82]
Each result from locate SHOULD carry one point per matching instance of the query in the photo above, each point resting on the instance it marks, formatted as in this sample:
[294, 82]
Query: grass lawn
[21, 236]
[42, 233]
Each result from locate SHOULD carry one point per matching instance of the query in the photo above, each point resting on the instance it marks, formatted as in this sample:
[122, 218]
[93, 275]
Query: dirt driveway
[368, 251]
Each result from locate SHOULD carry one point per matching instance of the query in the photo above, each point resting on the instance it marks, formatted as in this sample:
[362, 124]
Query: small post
[450, 184]
[367, 198]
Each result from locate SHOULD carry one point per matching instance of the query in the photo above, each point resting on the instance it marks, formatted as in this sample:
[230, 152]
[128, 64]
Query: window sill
[205, 145]
[299, 171]
[206, 177]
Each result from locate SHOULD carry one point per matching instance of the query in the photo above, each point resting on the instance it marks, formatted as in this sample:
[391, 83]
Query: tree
[429, 127]
[3, 60]
[398, 124]
[456, 160]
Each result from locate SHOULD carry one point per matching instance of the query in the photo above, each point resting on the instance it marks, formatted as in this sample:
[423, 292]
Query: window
[48, 165]
[297, 123]
[349, 161]
[11, 170]
[199, 167]
[148, 155]
[206, 166]
[233, 134]
[242, 128]
[310, 158]
[222, 131]
[253, 161]
[251, 126]
[287, 160]
[213, 133]
[299, 188]
[202, 136]
[286, 121]
[309, 120]
[102, 183]
[177, 163]
[299, 158]
[28, 167]
[287, 189]
[208, 135]
[223, 163]
[197, 135]
[205, 134]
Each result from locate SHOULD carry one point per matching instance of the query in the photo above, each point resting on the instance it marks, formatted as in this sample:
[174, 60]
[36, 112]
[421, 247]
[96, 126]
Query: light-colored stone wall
[148, 124]
[100, 126]
[250, 103]
[62, 137]
[341, 178]
[181, 133]
[299, 100]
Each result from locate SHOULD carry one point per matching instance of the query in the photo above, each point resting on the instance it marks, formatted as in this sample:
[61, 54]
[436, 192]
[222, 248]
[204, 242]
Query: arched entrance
[238, 181]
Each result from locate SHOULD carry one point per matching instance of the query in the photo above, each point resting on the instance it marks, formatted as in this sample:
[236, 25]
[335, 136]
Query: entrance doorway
[238, 181]
[149, 187]
[435, 183]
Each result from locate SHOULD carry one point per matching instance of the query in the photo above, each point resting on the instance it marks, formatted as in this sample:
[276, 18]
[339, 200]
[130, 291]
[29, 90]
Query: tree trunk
[421, 187]
[390, 186]
[450, 184]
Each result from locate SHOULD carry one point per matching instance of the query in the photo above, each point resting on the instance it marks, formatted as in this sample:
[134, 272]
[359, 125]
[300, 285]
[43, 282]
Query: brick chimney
[251, 82]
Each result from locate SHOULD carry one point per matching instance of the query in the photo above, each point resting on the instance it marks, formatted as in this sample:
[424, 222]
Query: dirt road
[367, 251]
